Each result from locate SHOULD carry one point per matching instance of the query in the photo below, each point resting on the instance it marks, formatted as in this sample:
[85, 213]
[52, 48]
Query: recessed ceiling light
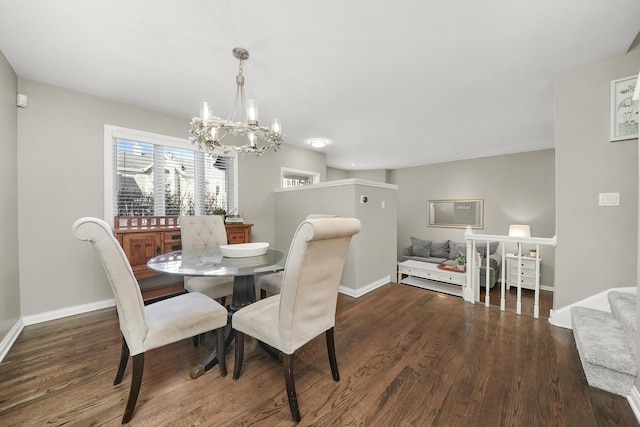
[318, 142]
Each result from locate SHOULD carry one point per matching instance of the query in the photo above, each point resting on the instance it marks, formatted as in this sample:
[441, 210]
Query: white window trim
[284, 171]
[111, 132]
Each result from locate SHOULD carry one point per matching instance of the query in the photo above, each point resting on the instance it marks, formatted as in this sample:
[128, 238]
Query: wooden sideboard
[144, 237]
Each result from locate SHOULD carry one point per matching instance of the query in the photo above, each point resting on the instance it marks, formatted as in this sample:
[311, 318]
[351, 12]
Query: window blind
[157, 179]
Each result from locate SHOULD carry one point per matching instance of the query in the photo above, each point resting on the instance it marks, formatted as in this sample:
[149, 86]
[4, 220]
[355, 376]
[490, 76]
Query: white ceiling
[390, 84]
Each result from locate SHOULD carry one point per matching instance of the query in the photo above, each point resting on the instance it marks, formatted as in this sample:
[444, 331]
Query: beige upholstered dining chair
[306, 305]
[270, 283]
[201, 231]
[155, 325]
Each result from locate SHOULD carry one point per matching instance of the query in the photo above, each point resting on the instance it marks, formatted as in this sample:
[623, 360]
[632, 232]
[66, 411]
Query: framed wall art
[624, 112]
[457, 213]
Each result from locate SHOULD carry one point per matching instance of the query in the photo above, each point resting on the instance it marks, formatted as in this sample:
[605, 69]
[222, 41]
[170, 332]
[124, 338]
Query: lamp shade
[519, 230]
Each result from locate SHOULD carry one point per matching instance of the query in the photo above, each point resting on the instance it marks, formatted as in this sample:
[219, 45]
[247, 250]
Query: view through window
[156, 179]
[296, 177]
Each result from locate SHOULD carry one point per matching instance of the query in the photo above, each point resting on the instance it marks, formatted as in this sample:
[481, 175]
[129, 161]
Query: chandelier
[208, 131]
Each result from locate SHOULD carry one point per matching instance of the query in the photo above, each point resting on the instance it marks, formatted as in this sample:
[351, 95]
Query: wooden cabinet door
[240, 233]
[140, 248]
[235, 236]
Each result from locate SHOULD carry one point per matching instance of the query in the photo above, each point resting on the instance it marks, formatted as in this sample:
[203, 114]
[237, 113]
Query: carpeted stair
[606, 343]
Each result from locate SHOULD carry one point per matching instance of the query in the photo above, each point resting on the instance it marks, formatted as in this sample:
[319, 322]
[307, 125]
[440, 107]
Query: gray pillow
[454, 247]
[440, 249]
[482, 248]
[421, 248]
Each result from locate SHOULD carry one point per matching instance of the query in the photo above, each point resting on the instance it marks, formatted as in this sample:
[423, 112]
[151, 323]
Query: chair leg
[198, 340]
[222, 360]
[331, 349]
[287, 365]
[239, 354]
[223, 301]
[136, 380]
[124, 357]
[263, 294]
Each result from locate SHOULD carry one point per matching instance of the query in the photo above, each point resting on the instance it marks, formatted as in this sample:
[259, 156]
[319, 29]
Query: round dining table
[209, 262]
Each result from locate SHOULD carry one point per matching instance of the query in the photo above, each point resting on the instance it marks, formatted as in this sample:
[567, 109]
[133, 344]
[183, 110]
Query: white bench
[427, 275]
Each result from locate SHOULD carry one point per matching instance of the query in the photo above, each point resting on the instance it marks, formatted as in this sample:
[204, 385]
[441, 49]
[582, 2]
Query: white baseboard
[562, 316]
[357, 293]
[10, 338]
[68, 311]
[634, 402]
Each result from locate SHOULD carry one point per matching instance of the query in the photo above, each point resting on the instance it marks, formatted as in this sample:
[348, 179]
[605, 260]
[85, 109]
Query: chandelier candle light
[208, 130]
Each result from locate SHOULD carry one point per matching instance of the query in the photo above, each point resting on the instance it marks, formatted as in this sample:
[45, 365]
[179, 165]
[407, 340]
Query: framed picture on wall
[624, 112]
[458, 213]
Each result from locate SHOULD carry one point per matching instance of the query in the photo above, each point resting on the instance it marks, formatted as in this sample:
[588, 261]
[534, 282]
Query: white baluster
[468, 293]
[477, 263]
[474, 267]
[467, 273]
[486, 275]
[502, 279]
[536, 301]
[519, 297]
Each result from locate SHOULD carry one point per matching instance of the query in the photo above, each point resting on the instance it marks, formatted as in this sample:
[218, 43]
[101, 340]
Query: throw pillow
[440, 249]
[421, 248]
[454, 247]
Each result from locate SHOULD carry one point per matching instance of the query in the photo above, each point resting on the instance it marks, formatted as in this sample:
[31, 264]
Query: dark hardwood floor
[545, 301]
[407, 357]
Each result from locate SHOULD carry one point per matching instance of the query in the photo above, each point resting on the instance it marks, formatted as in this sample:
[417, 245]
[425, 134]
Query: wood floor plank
[407, 357]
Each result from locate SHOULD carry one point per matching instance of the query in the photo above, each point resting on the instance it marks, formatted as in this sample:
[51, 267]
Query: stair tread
[603, 340]
[623, 306]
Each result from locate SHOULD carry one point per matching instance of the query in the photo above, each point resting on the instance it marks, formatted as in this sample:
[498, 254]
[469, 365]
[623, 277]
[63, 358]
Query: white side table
[527, 277]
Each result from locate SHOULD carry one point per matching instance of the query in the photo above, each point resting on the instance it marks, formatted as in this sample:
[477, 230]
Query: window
[149, 174]
[295, 177]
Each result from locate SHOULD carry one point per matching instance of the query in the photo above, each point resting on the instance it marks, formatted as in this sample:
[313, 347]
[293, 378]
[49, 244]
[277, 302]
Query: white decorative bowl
[243, 250]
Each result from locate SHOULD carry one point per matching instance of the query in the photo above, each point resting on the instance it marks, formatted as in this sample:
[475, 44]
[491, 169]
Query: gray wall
[372, 252]
[9, 243]
[293, 206]
[378, 175]
[516, 188]
[587, 164]
[260, 175]
[334, 174]
[376, 247]
[60, 165]
[60, 155]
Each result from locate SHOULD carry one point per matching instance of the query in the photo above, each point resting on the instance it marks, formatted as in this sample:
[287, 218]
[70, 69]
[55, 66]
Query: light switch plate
[609, 199]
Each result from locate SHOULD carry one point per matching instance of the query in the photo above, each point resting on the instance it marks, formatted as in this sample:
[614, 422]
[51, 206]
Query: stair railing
[471, 290]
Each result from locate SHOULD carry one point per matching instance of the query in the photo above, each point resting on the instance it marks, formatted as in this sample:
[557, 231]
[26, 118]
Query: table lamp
[519, 230]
